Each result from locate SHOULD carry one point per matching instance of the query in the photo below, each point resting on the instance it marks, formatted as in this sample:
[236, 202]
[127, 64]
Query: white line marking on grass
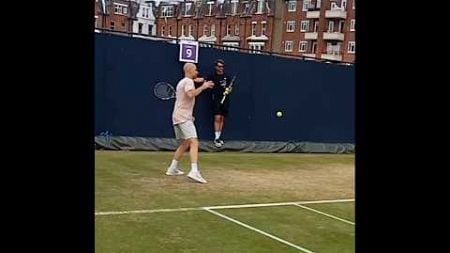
[223, 207]
[258, 230]
[149, 211]
[326, 214]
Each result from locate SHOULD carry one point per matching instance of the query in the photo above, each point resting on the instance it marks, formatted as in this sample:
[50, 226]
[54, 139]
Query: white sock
[174, 164]
[217, 133]
[194, 167]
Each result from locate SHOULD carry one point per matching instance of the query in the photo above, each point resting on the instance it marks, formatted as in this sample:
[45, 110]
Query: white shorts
[185, 130]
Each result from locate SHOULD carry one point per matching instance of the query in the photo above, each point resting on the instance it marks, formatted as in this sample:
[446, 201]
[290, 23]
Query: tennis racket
[229, 86]
[164, 91]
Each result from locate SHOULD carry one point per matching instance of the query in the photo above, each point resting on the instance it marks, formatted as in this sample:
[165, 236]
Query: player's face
[219, 68]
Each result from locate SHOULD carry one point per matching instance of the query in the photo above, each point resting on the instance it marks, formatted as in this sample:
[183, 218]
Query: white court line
[326, 214]
[258, 231]
[223, 207]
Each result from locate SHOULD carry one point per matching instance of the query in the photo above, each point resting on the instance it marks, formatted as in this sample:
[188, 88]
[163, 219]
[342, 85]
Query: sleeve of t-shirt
[189, 85]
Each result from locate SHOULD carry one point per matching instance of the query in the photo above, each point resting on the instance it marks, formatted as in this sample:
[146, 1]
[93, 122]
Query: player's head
[190, 70]
[219, 66]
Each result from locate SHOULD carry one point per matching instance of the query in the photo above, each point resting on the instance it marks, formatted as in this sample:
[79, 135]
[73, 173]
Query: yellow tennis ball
[279, 114]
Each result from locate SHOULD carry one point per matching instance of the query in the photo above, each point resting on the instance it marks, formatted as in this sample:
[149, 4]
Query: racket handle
[223, 99]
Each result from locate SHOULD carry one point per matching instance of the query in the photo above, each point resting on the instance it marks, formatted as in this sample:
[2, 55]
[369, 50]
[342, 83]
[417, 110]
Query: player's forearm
[196, 92]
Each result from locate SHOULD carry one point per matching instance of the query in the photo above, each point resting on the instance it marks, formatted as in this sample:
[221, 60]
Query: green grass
[136, 180]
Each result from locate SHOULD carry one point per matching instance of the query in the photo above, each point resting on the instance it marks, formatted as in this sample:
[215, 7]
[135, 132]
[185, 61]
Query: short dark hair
[219, 61]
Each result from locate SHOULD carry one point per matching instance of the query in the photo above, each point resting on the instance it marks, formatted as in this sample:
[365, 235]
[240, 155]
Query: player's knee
[193, 142]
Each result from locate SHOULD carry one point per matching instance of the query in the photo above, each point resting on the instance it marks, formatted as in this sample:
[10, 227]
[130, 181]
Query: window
[306, 4]
[170, 30]
[205, 30]
[121, 9]
[254, 28]
[123, 24]
[330, 26]
[304, 26]
[210, 5]
[150, 29]
[352, 25]
[314, 47]
[290, 27]
[254, 46]
[288, 46]
[163, 31]
[318, 3]
[351, 47]
[191, 30]
[344, 4]
[353, 4]
[213, 30]
[263, 28]
[236, 29]
[112, 25]
[234, 5]
[260, 7]
[183, 30]
[140, 25]
[187, 8]
[302, 46]
[292, 5]
[96, 21]
[167, 11]
[341, 26]
[231, 44]
[334, 48]
[229, 30]
[316, 26]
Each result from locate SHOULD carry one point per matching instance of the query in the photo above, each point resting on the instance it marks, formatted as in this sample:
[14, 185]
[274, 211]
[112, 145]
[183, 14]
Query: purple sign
[189, 51]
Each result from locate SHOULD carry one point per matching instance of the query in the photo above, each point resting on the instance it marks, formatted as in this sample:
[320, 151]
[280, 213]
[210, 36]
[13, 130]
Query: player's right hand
[208, 85]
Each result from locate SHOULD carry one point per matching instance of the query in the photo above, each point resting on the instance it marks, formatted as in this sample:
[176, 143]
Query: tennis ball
[279, 114]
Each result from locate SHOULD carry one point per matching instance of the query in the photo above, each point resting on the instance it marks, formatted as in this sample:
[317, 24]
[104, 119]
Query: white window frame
[303, 43]
[165, 11]
[186, 9]
[120, 9]
[350, 45]
[306, 4]
[183, 30]
[170, 31]
[234, 5]
[304, 26]
[292, 5]
[140, 28]
[341, 26]
[229, 30]
[286, 43]
[344, 2]
[163, 30]
[318, 4]
[256, 46]
[213, 30]
[150, 29]
[254, 23]
[210, 7]
[206, 30]
[236, 29]
[263, 28]
[191, 30]
[330, 25]
[232, 44]
[353, 4]
[290, 24]
[352, 25]
[316, 26]
[260, 7]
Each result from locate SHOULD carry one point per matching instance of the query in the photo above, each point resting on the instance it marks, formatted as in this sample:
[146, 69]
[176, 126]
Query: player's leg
[174, 169]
